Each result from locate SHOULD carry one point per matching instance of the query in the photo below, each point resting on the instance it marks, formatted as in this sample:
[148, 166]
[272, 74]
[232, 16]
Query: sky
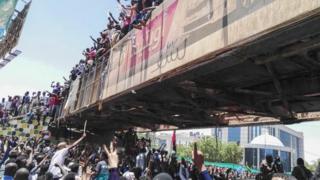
[55, 34]
[53, 38]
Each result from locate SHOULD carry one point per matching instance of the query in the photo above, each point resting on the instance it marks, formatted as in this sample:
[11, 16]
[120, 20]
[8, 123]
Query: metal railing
[91, 84]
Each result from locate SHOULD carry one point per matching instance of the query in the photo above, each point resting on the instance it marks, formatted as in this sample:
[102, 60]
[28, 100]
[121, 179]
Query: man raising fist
[198, 161]
[60, 155]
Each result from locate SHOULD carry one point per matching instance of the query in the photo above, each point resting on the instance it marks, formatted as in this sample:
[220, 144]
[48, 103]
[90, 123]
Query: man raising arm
[60, 155]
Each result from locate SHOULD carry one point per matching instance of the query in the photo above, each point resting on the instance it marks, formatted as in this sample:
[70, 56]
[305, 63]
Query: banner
[7, 8]
[182, 34]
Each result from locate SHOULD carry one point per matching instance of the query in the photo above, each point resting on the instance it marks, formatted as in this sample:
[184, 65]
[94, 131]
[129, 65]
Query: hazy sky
[54, 35]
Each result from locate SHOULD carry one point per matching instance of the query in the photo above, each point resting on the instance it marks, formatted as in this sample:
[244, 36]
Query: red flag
[174, 145]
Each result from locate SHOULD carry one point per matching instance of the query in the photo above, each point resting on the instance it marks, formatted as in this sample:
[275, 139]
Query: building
[185, 138]
[11, 25]
[259, 141]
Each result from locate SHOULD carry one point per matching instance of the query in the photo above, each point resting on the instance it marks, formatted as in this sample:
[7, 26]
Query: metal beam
[291, 50]
[312, 60]
[277, 85]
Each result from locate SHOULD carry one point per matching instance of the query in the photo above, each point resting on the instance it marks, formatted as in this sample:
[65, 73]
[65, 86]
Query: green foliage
[214, 150]
[211, 149]
[232, 153]
[312, 166]
[184, 151]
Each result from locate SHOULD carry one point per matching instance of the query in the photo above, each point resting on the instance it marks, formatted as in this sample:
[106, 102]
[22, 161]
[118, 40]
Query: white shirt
[82, 67]
[58, 158]
[110, 33]
[129, 175]
[33, 176]
[44, 100]
[8, 105]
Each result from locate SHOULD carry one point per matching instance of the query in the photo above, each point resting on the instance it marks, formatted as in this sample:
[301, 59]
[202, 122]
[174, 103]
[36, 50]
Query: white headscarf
[129, 175]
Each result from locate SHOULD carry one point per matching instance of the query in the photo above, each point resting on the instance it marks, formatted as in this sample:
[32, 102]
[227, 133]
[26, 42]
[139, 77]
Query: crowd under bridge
[205, 63]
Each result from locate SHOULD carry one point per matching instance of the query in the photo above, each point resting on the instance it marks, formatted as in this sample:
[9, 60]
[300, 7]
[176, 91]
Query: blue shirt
[7, 178]
[102, 168]
[205, 176]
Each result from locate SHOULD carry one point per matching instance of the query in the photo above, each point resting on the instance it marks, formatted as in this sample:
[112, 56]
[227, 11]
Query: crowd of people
[127, 158]
[219, 173]
[38, 105]
[271, 168]
[132, 16]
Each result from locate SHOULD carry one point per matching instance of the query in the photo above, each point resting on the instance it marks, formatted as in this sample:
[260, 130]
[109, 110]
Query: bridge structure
[13, 32]
[204, 63]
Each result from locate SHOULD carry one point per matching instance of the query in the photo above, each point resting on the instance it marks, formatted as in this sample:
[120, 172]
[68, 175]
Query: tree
[313, 165]
[232, 153]
[184, 151]
[214, 150]
[211, 148]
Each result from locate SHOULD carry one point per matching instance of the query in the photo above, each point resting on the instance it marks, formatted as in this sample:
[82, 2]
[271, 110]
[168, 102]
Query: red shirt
[91, 55]
[127, 21]
[1, 114]
[56, 100]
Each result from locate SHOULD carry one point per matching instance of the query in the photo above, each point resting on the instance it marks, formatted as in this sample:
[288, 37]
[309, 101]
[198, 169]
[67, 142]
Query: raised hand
[113, 159]
[198, 158]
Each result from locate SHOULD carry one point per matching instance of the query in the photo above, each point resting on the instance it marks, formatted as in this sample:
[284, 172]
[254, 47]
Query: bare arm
[82, 137]
[95, 42]
[93, 39]
[120, 3]
[128, 8]
[105, 149]
[113, 158]
[40, 164]
[29, 161]
[52, 84]
[63, 171]
[49, 93]
[114, 20]
[149, 8]
[78, 141]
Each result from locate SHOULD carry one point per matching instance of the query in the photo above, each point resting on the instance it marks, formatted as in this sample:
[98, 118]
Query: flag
[174, 144]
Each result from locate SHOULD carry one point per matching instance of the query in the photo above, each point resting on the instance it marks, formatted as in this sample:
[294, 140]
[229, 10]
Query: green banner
[7, 8]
